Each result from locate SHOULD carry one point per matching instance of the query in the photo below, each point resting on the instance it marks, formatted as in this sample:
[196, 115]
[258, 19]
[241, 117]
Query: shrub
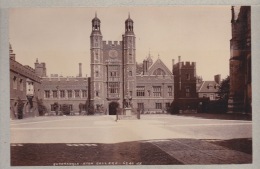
[65, 109]
[41, 108]
[173, 108]
[56, 107]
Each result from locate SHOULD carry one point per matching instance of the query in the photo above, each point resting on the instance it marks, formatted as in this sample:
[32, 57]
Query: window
[140, 91]
[69, 93]
[167, 105]
[159, 71]
[97, 93]
[130, 73]
[21, 84]
[97, 73]
[62, 94]
[14, 83]
[76, 93]
[54, 93]
[157, 91]
[140, 106]
[47, 93]
[84, 93]
[71, 107]
[52, 107]
[169, 90]
[158, 105]
[131, 93]
[113, 87]
[211, 97]
[84, 108]
[188, 76]
[187, 91]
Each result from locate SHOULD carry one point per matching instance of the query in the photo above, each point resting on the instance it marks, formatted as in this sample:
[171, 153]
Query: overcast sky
[60, 36]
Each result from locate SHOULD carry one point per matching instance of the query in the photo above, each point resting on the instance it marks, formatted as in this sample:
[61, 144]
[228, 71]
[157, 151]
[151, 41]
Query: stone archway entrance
[113, 108]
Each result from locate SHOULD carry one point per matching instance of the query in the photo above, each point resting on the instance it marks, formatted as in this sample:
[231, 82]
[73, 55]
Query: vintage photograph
[157, 85]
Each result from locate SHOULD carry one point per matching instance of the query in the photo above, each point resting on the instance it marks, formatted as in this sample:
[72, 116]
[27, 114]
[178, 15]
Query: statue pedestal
[128, 111]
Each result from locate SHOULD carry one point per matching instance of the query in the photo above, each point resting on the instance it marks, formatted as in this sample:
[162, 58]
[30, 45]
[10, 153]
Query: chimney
[217, 78]
[80, 70]
[179, 58]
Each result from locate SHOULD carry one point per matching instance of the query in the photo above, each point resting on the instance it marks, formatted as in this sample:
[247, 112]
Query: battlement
[185, 65]
[112, 43]
[40, 65]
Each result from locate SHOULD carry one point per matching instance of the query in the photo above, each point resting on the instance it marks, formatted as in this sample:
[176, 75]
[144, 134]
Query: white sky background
[60, 36]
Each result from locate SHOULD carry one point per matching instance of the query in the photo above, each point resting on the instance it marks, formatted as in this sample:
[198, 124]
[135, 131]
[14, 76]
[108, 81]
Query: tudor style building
[114, 78]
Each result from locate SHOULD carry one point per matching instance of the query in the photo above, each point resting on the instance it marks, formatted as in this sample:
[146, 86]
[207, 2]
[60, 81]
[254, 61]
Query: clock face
[113, 53]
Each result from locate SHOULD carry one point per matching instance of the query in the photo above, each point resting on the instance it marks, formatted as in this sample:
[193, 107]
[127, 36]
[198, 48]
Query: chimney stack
[80, 70]
[217, 78]
[179, 58]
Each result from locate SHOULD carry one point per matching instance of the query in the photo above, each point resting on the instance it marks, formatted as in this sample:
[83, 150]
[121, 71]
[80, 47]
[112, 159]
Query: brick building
[114, 79]
[73, 91]
[240, 98]
[25, 85]
[185, 85]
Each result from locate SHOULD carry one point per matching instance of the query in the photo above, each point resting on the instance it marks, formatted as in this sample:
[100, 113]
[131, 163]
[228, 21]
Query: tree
[56, 107]
[65, 109]
[174, 107]
[20, 106]
[41, 107]
[139, 68]
[224, 89]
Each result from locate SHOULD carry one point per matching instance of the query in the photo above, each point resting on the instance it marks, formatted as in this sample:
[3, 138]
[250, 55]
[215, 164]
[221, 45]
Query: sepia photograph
[117, 86]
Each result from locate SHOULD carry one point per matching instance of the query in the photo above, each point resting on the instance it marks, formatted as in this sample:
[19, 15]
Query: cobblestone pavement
[191, 151]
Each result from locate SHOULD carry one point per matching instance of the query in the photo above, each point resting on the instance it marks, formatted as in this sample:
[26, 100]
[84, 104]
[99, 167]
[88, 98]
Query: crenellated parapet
[112, 43]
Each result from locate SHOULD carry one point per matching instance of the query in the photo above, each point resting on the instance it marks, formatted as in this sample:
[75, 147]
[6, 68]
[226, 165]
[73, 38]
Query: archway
[113, 107]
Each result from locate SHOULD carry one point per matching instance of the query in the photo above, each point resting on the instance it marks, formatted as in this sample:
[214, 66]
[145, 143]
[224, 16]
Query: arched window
[159, 71]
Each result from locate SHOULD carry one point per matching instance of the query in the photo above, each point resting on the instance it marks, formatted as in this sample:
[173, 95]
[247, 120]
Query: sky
[60, 37]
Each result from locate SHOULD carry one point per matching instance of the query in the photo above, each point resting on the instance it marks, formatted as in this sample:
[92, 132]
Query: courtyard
[154, 139]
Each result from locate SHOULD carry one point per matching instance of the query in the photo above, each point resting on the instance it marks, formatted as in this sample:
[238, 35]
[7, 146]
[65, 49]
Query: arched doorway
[113, 107]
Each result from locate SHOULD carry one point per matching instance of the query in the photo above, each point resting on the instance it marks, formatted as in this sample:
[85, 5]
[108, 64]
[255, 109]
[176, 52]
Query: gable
[159, 68]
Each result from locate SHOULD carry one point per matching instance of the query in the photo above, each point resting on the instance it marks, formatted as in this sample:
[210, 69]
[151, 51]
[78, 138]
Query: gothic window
[54, 93]
[158, 105]
[77, 93]
[97, 93]
[157, 91]
[159, 71]
[140, 91]
[84, 93]
[140, 106]
[62, 93]
[113, 87]
[21, 84]
[188, 76]
[69, 93]
[14, 82]
[96, 56]
[187, 90]
[47, 93]
[131, 93]
[169, 90]
[130, 73]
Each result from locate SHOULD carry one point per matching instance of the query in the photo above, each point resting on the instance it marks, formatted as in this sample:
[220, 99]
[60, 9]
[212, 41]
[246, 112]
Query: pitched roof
[159, 64]
[209, 87]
